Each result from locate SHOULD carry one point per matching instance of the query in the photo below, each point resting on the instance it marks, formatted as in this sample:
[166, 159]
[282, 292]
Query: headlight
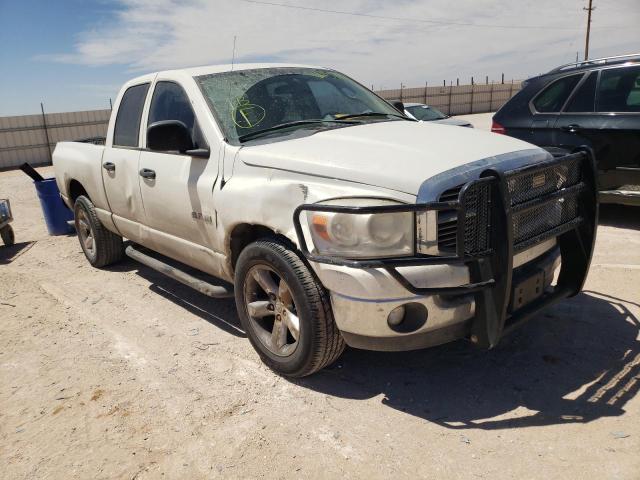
[354, 235]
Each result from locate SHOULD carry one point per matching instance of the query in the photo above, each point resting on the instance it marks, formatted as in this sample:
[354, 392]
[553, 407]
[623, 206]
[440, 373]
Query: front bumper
[469, 293]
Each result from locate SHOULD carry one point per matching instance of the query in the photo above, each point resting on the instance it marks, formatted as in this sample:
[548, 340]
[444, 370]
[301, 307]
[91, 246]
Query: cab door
[120, 164]
[176, 188]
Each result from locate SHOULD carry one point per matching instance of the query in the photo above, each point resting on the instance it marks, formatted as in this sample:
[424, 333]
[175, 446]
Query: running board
[201, 286]
[621, 197]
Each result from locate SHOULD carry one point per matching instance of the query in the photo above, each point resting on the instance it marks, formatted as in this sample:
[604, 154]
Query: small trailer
[6, 232]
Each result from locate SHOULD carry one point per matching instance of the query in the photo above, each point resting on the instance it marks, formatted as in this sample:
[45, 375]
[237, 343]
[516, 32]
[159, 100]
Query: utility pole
[586, 43]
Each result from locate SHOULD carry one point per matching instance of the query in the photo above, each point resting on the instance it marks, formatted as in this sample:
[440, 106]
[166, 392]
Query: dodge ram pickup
[335, 219]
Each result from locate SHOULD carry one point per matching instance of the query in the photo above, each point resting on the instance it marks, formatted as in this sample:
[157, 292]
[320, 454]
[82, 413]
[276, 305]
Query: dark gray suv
[594, 103]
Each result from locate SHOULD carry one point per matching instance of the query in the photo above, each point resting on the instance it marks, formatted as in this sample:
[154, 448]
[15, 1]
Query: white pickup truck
[335, 218]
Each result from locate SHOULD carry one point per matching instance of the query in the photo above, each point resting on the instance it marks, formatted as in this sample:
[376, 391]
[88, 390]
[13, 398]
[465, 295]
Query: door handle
[573, 128]
[109, 166]
[148, 173]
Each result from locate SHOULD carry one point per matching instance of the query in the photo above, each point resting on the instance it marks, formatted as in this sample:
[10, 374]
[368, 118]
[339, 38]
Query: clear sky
[75, 54]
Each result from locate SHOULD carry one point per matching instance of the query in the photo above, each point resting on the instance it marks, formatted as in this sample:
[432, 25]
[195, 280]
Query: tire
[8, 237]
[319, 341]
[104, 247]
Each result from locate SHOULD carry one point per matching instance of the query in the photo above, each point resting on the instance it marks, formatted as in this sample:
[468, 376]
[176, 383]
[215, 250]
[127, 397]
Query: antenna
[233, 55]
[233, 60]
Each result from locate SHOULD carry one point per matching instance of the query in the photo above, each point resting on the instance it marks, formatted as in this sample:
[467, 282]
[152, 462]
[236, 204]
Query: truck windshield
[247, 102]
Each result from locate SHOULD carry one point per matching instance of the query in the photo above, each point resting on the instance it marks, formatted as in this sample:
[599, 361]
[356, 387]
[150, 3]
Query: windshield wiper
[280, 126]
[373, 114]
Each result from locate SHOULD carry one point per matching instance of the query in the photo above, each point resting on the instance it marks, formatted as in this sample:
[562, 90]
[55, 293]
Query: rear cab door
[121, 158]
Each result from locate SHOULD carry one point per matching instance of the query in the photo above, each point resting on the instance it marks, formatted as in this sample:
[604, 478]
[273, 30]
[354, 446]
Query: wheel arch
[75, 189]
[244, 234]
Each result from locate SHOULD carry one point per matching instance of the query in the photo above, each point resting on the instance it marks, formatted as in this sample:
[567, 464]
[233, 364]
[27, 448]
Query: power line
[416, 20]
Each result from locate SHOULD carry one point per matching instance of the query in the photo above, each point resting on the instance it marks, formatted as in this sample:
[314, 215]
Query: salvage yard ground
[122, 373]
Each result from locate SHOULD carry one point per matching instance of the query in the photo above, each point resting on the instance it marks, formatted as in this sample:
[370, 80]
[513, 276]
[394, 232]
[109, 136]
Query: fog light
[396, 316]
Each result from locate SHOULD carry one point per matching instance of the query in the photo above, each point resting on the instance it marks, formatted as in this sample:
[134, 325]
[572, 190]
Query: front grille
[536, 183]
[540, 219]
[543, 201]
[476, 202]
[448, 221]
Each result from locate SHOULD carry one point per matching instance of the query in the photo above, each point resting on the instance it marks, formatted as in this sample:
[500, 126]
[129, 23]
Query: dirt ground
[122, 373]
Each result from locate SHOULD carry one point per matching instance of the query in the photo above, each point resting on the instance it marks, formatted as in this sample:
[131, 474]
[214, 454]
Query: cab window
[127, 128]
[619, 90]
[553, 97]
[170, 102]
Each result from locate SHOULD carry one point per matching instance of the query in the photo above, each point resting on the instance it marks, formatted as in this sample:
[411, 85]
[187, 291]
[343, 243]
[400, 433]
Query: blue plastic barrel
[56, 213]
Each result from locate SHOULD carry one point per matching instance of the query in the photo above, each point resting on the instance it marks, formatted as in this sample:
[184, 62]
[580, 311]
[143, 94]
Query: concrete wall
[457, 100]
[24, 138]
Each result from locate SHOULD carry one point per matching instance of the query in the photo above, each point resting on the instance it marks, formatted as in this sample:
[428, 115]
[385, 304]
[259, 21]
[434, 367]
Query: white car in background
[425, 113]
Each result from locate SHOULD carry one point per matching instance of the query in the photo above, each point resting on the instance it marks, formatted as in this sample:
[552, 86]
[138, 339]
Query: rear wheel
[8, 237]
[285, 312]
[100, 246]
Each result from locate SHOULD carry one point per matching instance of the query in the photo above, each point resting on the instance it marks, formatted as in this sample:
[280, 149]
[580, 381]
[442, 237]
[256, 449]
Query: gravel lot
[122, 373]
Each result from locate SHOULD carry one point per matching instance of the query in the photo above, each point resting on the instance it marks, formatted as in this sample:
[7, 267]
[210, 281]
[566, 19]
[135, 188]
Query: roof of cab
[211, 69]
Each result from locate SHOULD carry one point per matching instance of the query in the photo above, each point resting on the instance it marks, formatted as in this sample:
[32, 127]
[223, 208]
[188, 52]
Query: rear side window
[127, 126]
[170, 102]
[584, 98]
[619, 90]
[552, 98]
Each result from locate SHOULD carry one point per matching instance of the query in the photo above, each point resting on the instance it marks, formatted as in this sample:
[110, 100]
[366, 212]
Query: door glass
[584, 98]
[619, 90]
[127, 126]
[553, 97]
[170, 102]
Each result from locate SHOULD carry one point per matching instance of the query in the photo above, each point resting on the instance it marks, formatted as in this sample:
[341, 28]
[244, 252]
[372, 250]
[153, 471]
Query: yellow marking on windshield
[245, 114]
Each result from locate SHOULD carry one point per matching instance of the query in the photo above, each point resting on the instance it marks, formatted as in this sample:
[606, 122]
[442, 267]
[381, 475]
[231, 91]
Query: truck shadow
[578, 362]
[225, 316]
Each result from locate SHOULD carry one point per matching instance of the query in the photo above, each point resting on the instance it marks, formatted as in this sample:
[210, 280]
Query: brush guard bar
[499, 215]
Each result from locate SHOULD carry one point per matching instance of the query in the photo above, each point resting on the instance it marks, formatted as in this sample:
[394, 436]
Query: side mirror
[398, 106]
[169, 136]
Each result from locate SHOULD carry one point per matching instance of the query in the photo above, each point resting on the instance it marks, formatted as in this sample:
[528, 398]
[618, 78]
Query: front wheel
[8, 237]
[284, 310]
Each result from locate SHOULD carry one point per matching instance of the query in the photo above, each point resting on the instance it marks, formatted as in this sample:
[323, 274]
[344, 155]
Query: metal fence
[32, 138]
[457, 99]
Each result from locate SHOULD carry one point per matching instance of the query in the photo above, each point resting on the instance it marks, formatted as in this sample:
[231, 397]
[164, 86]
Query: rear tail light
[497, 128]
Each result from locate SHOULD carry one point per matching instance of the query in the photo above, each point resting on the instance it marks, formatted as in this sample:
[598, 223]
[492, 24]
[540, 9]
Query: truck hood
[397, 155]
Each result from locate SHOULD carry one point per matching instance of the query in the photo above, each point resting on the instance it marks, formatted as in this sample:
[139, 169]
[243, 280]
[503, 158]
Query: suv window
[552, 98]
[127, 126]
[619, 90]
[170, 102]
[584, 98]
